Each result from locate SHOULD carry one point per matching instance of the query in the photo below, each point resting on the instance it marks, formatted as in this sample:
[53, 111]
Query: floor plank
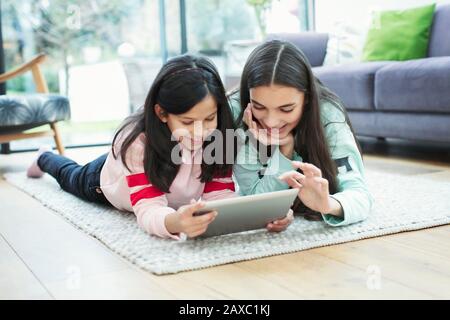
[50, 245]
[317, 276]
[129, 283]
[426, 273]
[46, 257]
[226, 282]
[16, 280]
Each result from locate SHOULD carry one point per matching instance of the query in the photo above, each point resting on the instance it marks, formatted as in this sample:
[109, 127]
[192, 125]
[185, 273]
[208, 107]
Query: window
[227, 31]
[94, 49]
[104, 54]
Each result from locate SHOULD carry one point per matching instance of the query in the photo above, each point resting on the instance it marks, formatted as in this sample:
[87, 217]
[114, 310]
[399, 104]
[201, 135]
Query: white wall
[357, 12]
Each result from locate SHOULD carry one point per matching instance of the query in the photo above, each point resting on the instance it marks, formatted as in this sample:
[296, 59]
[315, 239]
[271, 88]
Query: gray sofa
[391, 99]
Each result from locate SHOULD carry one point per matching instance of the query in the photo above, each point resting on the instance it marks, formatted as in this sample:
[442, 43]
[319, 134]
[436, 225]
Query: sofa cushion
[31, 109]
[353, 83]
[439, 44]
[414, 86]
[410, 126]
[399, 34]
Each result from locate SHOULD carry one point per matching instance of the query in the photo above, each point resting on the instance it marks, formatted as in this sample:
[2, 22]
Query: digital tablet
[247, 212]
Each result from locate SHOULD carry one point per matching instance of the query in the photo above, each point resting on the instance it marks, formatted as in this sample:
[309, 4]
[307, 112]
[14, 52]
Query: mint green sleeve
[247, 171]
[353, 194]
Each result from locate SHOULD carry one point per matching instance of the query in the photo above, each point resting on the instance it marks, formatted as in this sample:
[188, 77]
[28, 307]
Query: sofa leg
[57, 138]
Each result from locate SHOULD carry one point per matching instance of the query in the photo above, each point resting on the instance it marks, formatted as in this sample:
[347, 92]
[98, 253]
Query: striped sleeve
[220, 187]
[149, 204]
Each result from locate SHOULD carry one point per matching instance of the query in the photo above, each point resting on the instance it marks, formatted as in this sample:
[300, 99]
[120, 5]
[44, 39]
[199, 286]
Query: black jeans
[81, 181]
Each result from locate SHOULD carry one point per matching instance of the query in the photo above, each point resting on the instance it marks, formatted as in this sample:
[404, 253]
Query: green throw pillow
[399, 34]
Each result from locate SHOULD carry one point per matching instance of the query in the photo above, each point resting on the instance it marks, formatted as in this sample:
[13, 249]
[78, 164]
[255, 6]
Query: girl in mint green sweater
[300, 137]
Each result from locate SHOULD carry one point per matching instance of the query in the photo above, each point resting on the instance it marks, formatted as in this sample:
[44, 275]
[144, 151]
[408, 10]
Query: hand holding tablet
[248, 212]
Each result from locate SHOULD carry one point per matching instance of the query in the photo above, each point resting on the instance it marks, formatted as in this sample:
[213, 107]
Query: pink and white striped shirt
[130, 190]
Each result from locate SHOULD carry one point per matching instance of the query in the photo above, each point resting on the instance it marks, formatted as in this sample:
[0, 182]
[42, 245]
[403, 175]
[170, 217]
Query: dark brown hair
[282, 63]
[181, 83]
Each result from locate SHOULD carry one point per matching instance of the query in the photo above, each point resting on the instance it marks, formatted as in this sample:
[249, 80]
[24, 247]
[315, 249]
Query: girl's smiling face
[277, 107]
[191, 128]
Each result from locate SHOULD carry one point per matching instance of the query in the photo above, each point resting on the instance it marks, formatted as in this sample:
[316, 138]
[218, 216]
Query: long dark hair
[282, 63]
[181, 83]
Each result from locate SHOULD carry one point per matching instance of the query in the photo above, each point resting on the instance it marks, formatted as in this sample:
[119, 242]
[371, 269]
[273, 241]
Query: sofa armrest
[313, 44]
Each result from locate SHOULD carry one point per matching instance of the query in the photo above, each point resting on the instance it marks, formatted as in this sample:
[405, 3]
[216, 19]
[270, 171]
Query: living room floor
[42, 256]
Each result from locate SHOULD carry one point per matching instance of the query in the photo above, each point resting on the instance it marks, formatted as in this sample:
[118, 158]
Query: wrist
[334, 208]
[171, 223]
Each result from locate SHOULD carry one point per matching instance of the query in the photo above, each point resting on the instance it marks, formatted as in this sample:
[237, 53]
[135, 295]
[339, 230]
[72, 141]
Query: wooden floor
[44, 257]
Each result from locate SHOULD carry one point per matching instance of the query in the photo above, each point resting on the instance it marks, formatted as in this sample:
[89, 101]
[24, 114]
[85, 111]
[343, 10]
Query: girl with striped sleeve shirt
[156, 167]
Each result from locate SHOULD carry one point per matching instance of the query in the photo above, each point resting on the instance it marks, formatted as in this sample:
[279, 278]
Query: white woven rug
[401, 204]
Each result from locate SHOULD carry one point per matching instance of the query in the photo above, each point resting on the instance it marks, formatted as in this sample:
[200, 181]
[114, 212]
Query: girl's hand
[256, 130]
[183, 220]
[313, 189]
[281, 224]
